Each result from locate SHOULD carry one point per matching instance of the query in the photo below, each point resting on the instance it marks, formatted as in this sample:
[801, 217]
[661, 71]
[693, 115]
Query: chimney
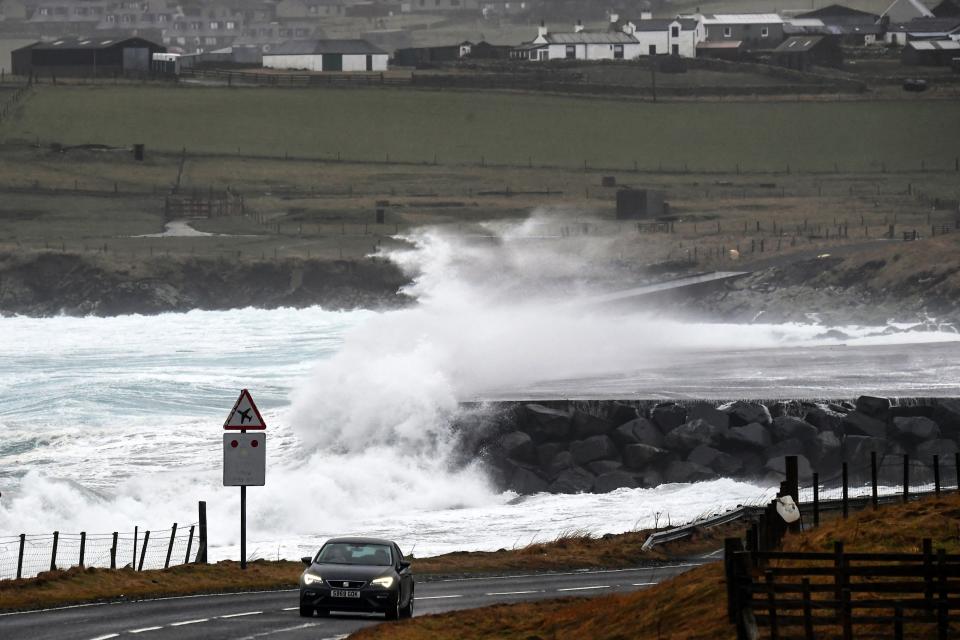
[646, 15]
[542, 30]
[577, 28]
[614, 17]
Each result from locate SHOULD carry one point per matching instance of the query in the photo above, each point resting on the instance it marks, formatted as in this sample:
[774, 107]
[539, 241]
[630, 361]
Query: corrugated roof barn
[326, 55]
[85, 56]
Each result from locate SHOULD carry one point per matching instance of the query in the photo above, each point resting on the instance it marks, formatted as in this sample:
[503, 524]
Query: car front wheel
[407, 611]
[306, 612]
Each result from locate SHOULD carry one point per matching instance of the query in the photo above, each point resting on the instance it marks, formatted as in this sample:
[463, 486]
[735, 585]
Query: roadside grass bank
[574, 551]
[692, 605]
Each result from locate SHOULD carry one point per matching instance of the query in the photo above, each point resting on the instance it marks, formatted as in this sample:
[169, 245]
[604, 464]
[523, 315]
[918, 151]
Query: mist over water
[109, 423]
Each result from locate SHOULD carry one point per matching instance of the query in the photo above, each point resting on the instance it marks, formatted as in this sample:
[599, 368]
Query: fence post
[186, 558]
[928, 571]
[202, 541]
[83, 546]
[846, 488]
[898, 622]
[943, 619]
[731, 546]
[143, 550]
[113, 552]
[873, 478]
[23, 541]
[173, 536]
[136, 534]
[956, 468]
[906, 477]
[936, 475]
[816, 500]
[53, 556]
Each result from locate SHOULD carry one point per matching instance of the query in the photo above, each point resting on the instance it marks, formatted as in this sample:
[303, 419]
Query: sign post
[244, 457]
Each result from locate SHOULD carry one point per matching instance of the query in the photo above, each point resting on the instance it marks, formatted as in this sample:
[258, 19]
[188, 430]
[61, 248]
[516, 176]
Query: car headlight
[386, 582]
[311, 578]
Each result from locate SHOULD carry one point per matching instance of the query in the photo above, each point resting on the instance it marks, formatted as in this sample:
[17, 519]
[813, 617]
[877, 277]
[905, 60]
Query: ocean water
[111, 423]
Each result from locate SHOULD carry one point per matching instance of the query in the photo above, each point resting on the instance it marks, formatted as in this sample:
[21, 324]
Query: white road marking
[306, 625]
[599, 586]
[290, 609]
[237, 615]
[514, 593]
[180, 624]
[143, 630]
[106, 637]
[436, 597]
[643, 584]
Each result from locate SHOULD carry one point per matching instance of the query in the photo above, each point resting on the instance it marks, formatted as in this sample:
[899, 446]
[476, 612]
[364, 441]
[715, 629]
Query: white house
[674, 36]
[580, 45]
[326, 55]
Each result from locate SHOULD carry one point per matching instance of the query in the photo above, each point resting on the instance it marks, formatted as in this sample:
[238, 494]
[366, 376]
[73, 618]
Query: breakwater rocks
[572, 447]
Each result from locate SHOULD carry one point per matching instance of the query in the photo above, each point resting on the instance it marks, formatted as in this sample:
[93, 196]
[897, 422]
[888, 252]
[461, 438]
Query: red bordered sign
[245, 414]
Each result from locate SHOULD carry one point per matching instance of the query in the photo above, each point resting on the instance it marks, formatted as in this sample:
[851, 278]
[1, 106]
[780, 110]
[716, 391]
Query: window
[231, 25]
[675, 50]
[111, 18]
[618, 52]
[210, 40]
[571, 51]
[127, 18]
[653, 49]
[214, 26]
[727, 32]
[43, 11]
[181, 40]
[764, 32]
[675, 32]
[195, 26]
[162, 17]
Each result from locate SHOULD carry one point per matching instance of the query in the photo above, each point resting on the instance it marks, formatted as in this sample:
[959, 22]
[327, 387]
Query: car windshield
[347, 553]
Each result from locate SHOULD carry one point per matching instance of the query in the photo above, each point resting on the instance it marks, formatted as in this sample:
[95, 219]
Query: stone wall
[599, 446]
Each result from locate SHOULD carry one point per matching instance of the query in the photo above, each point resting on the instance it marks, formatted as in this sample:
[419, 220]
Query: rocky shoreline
[599, 446]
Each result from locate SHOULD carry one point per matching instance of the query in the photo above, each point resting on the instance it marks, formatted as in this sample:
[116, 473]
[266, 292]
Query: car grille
[346, 584]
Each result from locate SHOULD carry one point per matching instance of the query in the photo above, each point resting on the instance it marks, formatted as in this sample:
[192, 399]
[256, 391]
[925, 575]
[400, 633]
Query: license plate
[342, 593]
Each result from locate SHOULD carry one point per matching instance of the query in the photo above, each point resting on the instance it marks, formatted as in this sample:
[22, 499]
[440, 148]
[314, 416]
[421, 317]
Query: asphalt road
[274, 614]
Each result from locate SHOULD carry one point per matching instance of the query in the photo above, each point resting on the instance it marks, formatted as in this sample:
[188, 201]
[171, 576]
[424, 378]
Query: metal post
[816, 500]
[173, 537]
[186, 558]
[846, 505]
[956, 468]
[23, 541]
[243, 526]
[136, 534]
[53, 556]
[113, 552]
[143, 551]
[202, 541]
[83, 546]
[906, 477]
[936, 475]
[873, 478]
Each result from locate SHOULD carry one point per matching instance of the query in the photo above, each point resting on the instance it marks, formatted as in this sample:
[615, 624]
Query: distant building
[580, 45]
[426, 56]
[673, 36]
[930, 53]
[852, 26]
[91, 56]
[803, 52]
[730, 50]
[635, 204]
[924, 29]
[755, 30]
[326, 55]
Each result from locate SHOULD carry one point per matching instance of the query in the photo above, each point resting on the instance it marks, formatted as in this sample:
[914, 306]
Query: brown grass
[690, 606]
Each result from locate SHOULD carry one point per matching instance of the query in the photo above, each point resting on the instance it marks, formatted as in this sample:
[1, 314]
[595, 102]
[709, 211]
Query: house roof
[724, 44]
[799, 43]
[315, 47]
[927, 26]
[590, 37]
[947, 8]
[88, 43]
[836, 11]
[934, 45]
[804, 22]
[662, 24]
[743, 18]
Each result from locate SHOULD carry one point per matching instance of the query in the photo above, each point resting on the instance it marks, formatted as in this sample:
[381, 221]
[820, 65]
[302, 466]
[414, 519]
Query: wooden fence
[208, 204]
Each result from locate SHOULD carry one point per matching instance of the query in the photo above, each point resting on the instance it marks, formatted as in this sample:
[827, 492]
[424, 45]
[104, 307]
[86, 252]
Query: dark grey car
[357, 574]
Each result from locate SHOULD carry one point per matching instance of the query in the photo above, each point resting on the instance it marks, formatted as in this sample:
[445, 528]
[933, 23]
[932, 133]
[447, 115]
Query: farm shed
[640, 203]
[756, 30]
[930, 53]
[326, 55]
[924, 29]
[803, 52]
[86, 56]
[731, 50]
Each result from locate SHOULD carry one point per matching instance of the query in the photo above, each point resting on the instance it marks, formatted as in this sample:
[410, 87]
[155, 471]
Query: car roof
[355, 540]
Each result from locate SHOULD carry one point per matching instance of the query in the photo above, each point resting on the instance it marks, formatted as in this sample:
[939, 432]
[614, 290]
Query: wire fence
[28, 555]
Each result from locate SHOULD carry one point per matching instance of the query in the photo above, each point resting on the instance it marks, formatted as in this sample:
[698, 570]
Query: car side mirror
[404, 565]
[307, 560]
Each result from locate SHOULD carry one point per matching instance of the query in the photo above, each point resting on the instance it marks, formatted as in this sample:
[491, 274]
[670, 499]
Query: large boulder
[543, 423]
[874, 407]
[857, 423]
[824, 418]
[723, 463]
[638, 431]
[753, 435]
[912, 411]
[548, 450]
[826, 451]
[789, 447]
[593, 448]
[526, 481]
[560, 463]
[518, 446]
[690, 435]
[649, 478]
[668, 415]
[641, 456]
[614, 480]
[620, 413]
[856, 449]
[684, 471]
[708, 413]
[743, 413]
[601, 467]
[944, 448]
[915, 429]
[575, 480]
[947, 415]
[786, 427]
[778, 467]
[586, 425]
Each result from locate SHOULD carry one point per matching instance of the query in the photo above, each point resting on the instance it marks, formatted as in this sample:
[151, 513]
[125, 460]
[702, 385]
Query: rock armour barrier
[599, 446]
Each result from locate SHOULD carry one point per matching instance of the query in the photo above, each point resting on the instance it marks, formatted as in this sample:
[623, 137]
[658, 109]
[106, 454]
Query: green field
[465, 127]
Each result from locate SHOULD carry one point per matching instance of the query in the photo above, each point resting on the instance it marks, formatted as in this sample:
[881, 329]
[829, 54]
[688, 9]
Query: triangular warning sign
[245, 414]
